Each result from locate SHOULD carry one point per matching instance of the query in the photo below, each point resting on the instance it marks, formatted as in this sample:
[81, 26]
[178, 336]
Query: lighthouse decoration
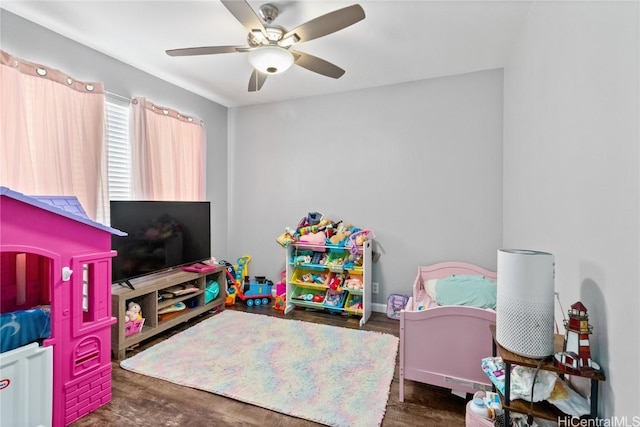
[576, 355]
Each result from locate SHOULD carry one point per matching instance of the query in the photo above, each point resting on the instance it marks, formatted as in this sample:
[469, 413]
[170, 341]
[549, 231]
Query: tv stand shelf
[146, 291]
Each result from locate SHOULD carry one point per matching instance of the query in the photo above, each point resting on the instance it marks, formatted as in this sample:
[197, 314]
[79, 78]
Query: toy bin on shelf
[133, 327]
[335, 280]
[353, 303]
[353, 282]
[310, 296]
[337, 258]
[334, 300]
[312, 279]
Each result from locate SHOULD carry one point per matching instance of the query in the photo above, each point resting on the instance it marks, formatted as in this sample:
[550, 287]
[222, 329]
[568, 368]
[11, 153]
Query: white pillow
[430, 288]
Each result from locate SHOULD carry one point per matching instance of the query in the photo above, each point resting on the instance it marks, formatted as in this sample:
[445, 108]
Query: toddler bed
[443, 345]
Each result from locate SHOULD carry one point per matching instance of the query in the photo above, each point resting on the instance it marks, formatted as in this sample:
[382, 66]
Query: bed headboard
[446, 269]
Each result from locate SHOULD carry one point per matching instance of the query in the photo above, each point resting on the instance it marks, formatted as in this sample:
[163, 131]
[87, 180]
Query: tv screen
[161, 235]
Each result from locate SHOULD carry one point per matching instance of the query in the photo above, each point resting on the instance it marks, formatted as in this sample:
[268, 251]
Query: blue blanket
[18, 328]
[475, 291]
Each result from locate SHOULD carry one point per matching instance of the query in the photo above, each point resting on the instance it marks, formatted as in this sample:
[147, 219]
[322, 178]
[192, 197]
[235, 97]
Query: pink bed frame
[444, 345]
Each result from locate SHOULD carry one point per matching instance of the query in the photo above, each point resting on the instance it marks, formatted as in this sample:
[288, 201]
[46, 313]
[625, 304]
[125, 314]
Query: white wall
[572, 174]
[422, 165]
[418, 163]
[34, 43]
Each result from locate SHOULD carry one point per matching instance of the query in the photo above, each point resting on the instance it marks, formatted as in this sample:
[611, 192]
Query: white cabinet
[331, 278]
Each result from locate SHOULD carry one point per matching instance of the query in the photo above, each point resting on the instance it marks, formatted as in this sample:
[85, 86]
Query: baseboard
[379, 308]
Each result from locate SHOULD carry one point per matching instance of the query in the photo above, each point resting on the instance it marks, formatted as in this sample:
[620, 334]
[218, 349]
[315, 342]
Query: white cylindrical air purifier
[524, 312]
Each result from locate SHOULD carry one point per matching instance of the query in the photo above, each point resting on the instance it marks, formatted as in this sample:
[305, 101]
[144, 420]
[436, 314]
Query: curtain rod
[115, 95]
[129, 100]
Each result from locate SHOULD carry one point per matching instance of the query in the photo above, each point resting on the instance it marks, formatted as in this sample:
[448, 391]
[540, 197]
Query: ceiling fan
[269, 45]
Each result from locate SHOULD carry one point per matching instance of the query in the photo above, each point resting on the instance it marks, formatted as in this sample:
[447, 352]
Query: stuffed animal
[341, 233]
[353, 283]
[134, 312]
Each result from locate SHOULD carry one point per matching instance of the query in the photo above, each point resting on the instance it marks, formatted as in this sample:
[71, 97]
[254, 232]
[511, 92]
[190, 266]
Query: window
[118, 146]
[174, 131]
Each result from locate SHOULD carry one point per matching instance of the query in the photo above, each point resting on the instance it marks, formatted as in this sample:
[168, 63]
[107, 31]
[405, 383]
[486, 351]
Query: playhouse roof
[67, 206]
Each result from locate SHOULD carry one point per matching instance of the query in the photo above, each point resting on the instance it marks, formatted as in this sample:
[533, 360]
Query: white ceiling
[398, 41]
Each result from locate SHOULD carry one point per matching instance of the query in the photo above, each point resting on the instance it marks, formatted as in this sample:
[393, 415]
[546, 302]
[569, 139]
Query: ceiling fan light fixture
[258, 36]
[289, 41]
[270, 59]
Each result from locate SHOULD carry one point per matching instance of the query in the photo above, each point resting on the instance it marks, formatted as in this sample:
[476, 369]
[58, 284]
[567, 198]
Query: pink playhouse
[55, 310]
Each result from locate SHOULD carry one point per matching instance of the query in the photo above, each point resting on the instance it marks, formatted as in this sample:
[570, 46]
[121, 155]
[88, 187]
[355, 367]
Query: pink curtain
[168, 151]
[52, 134]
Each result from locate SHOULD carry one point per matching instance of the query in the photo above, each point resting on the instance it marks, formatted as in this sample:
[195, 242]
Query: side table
[543, 410]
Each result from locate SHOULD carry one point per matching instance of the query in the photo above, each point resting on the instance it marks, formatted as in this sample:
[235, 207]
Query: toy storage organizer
[320, 277]
[62, 261]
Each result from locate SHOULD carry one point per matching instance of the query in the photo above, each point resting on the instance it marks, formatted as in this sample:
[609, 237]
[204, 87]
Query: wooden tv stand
[146, 291]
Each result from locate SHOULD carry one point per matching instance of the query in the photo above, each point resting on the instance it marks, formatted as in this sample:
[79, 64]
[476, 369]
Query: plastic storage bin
[334, 301]
[307, 295]
[311, 279]
[133, 327]
[353, 303]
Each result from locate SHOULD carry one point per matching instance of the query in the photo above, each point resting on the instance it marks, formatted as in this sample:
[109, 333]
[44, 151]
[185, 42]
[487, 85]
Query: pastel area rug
[331, 375]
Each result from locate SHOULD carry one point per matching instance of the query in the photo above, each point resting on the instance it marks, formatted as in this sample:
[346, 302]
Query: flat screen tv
[162, 235]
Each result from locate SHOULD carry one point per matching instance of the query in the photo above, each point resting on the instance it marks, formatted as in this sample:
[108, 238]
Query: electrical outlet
[374, 287]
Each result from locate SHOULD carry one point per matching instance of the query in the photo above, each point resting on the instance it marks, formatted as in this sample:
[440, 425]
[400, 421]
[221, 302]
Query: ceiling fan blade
[257, 80]
[317, 65]
[241, 10]
[327, 24]
[206, 50]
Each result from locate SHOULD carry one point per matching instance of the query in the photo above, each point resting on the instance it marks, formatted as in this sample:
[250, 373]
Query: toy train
[255, 291]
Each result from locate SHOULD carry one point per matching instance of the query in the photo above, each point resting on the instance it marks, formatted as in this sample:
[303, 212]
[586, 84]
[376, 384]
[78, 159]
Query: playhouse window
[88, 292]
[85, 288]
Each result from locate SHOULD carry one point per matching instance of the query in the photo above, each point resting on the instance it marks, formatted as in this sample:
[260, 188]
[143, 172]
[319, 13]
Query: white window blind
[118, 146]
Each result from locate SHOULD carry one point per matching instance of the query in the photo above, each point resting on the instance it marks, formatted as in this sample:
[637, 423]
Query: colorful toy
[305, 297]
[286, 238]
[355, 302]
[279, 302]
[334, 299]
[302, 259]
[242, 268]
[232, 285]
[281, 286]
[357, 238]
[335, 282]
[255, 291]
[353, 283]
[231, 296]
[318, 238]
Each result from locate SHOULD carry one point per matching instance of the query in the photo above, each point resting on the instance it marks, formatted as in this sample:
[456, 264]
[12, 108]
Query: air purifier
[524, 312]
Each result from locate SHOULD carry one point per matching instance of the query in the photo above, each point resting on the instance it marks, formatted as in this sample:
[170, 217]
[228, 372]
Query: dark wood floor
[139, 400]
